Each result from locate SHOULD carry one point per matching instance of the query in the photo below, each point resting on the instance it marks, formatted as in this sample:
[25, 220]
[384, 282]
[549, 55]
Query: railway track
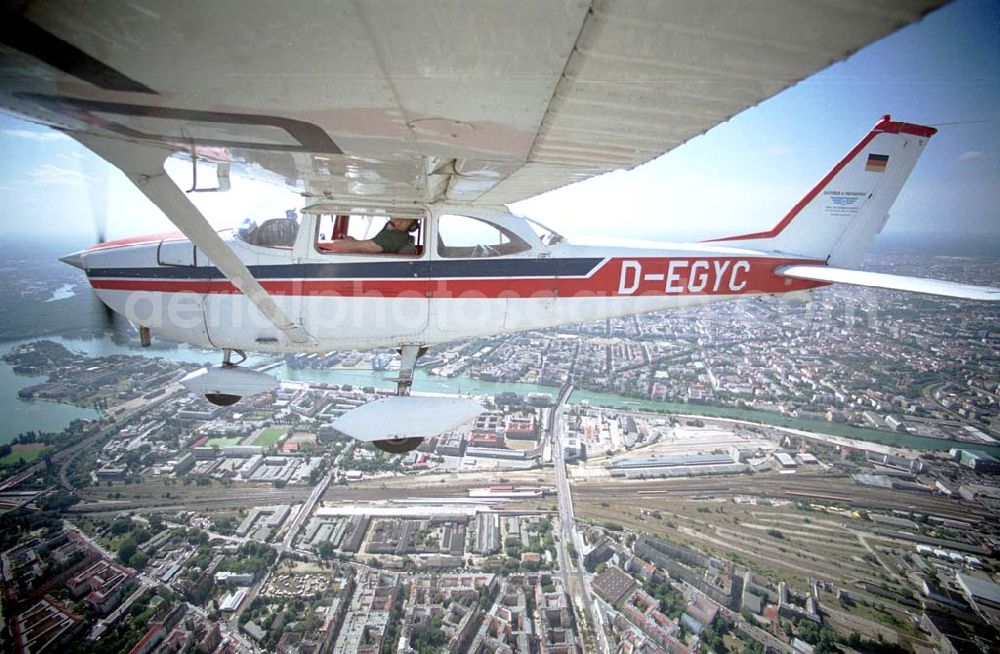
[832, 489]
[238, 498]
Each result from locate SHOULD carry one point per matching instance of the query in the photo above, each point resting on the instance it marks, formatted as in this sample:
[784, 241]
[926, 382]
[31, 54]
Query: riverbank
[25, 415]
[891, 439]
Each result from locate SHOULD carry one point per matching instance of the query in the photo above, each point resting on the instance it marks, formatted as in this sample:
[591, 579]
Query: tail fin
[837, 220]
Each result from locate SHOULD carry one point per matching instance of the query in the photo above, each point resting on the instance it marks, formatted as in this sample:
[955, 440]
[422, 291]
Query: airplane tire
[222, 399]
[398, 445]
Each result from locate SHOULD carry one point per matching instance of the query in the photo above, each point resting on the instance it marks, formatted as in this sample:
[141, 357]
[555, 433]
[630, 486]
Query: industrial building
[682, 465]
[261, 523]
[519, 428]
[573, 450]
[451, 444]
[785, 460]
[979, 590]
[232, 601]
[977, 460]
[486, 533]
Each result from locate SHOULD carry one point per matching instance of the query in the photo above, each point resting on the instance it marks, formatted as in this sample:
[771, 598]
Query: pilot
[394, 237]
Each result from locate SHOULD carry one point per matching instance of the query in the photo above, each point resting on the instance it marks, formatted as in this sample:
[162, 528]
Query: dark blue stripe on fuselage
[454, 269]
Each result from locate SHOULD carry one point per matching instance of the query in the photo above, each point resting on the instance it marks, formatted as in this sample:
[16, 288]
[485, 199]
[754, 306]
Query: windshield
[545, 235]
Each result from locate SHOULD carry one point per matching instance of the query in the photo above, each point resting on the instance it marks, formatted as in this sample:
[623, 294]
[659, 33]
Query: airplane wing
[391, 100]
[892, 282]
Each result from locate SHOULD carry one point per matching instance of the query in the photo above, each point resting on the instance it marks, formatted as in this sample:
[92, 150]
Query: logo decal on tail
[843, 203]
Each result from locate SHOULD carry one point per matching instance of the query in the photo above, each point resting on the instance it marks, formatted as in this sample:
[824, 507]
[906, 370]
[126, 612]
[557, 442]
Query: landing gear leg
[227, 356]
[408, 356]
[226, 399]
[407, 363]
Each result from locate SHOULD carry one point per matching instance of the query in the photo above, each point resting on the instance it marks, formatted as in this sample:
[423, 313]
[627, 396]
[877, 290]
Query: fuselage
[518, 281]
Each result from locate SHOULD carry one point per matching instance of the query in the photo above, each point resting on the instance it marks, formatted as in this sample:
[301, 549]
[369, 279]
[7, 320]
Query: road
[21, 499]
[306, 510]
[571, 568]
[286, 543]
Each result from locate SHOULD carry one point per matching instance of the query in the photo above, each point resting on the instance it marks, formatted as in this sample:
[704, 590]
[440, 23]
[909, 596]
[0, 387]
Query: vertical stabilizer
[840, 216]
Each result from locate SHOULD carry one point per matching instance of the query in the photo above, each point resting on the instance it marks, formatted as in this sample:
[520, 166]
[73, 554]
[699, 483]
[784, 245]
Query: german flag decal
[876, 163]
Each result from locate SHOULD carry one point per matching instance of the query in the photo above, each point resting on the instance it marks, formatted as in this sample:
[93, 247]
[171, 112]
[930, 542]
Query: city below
[749, 477]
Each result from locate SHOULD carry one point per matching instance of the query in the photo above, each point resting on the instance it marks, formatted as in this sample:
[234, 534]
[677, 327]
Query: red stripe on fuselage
[146, 239]
[618, 277]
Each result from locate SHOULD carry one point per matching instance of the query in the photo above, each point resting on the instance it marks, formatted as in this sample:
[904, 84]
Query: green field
[28, 452]
[222, 442]
[270, 436]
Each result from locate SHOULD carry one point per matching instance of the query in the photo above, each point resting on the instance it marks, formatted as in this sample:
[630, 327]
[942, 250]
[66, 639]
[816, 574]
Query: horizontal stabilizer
[893, 282]
[406, 417]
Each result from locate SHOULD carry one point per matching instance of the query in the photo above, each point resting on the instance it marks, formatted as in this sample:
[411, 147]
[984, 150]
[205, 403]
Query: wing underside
[481, 102]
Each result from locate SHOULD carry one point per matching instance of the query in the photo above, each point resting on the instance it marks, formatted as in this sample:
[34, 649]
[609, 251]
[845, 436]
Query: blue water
[36, 415]
[893, 439]
[21, 415]
[28, 415]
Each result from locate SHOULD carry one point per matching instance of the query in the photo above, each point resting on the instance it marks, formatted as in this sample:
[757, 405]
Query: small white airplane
[494, 102]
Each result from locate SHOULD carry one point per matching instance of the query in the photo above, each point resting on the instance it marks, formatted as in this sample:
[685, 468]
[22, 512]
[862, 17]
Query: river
[40, 415]
[910, 441]
[23, 415]
[20, 415]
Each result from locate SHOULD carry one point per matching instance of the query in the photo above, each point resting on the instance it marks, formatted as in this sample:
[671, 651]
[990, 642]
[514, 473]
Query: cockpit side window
[355, 234]
[463, 236]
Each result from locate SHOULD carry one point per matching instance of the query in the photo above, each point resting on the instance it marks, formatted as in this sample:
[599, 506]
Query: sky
[742, 176]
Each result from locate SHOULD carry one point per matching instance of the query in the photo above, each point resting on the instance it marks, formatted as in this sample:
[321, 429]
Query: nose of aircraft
[75, 259]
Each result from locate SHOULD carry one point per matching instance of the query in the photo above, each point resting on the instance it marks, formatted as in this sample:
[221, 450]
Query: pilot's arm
[353, 245]
[393, 237]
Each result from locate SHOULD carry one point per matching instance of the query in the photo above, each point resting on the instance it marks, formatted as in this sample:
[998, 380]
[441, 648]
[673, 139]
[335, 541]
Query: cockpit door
[186, 309]
[271, 250]
[353, 300]
[176, 252]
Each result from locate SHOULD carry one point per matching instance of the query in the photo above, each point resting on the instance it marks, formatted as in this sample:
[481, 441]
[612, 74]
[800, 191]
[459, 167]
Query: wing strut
[143, 165]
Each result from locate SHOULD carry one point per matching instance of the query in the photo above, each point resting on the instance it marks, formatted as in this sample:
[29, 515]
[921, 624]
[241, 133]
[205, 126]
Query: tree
[325, 550]
[126, 549]
[433, 638]
[121, 526]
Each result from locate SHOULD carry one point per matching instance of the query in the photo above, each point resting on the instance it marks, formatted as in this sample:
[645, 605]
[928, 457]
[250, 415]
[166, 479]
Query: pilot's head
[403, 224]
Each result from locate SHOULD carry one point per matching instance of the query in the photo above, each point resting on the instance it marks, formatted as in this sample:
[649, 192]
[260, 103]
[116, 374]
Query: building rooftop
[982, 590]
[671, 460]
[613, 584]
